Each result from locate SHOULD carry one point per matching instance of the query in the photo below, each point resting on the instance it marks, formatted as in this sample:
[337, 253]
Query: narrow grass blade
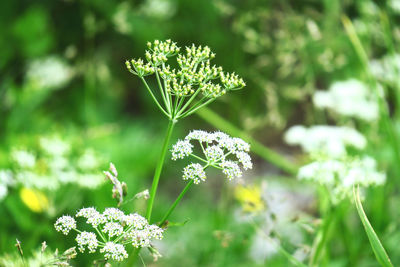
[376, 245]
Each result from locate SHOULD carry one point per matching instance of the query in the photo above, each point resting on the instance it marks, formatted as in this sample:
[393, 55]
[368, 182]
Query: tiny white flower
[64, 224]
[113, 229]
[140, 238]
[92, 215]
[114, 251]
[200, 135]
[135, 220]
[231, 169]
[245, 159]
[194, 172]
[181, 149]
[113, 214]
[156, 232]
[87, 239]
[214, 153]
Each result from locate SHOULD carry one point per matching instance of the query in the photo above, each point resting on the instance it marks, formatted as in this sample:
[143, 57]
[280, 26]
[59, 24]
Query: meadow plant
[331, 140]
[112, 231]
[182, 91]
[339, 176]
[350, 98]
[219, 150]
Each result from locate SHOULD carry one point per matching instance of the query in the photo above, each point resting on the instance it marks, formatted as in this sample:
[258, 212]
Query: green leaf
[376, 245]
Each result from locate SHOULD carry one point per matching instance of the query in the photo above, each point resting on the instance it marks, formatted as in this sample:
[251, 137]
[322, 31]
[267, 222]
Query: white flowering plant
[113, 230]
[183, 91]
[220, 151]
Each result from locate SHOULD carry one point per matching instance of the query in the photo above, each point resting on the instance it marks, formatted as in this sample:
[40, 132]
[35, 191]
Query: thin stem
[154, 98]
[176, 202]
[194, 109]
[163, 93]
[178, 108]
[133, 257]
[322, 238]
[158, 170]
[197, 157]
[188, 102]
[167, 96]
[100, 234]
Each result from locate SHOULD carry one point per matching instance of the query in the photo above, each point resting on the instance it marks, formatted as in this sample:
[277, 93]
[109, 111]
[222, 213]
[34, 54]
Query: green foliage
[63, 74]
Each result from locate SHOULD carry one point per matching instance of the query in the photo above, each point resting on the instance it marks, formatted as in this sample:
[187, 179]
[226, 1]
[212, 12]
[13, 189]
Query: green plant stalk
[328, 216]
[158, 170]
[321, 240]
[376, 245]
[258, 148]
[176, 202]
[154, 98]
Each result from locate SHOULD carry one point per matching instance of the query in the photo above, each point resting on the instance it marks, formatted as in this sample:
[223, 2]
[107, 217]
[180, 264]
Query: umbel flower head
[194, 84]
[113, 230]
[340, 175]
[219, 150]
[330, 140]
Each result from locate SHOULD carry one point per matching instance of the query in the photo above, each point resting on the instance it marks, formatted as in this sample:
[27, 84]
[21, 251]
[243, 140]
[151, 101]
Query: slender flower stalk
[176, 202]
[158, 170]
[182, 91]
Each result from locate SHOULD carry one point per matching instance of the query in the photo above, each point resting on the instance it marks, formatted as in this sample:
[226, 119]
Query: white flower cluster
[386, 69]
[65, 224]
[349, 98]
[87, 239]
[329, 140]
[195, 172]
[114, 251]
[113, 230]
[340, 175]
[217, 148]
[49, 73]
[51, 165]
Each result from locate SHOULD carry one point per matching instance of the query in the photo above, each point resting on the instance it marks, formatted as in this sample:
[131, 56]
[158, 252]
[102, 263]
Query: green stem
[154, 98]
[195, 108]
[322, 238]
[133, 256]
[176, 202]
[158, 170]
[188, 102]
[258, 148]
[163, 93]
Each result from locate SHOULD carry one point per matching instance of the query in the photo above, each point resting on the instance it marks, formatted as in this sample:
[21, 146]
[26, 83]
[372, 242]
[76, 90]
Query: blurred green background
[63, 78]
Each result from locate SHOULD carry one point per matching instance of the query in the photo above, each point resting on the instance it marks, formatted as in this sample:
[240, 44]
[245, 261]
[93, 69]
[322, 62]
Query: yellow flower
[250, 198]
[34, 199]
